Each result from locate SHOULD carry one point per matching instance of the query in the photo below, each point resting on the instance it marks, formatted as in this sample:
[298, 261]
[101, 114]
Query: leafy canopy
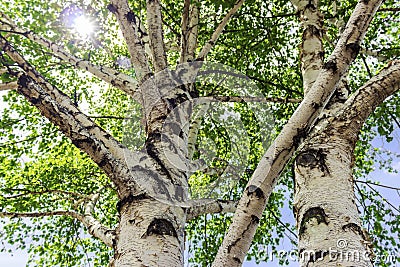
[41, 170]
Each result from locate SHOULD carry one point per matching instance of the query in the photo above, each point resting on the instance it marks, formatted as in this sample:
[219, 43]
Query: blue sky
[19, 258]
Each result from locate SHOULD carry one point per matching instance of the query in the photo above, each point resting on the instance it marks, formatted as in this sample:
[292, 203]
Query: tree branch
[184, 29]
[379, 185]
[129, 28]
[149, 90]
[39, 214]
[27, 192]
[110, 117]
[104, 150]
[394, 9]
[209, 206]
[250, 99]
[364, 101]
[312, 49]
[384, 199]
[8, 86]
[254, 199]
[154, 22]
[120, 80]
[95, 228]
[373, 53]
[210, 43]
[190, 27]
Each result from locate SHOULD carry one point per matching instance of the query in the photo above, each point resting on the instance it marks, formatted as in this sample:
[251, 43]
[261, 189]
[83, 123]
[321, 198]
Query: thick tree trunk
[150, 233]
[328, 223]
[330, 231]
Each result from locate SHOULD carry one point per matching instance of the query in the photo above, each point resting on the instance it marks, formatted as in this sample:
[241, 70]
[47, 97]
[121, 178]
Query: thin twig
[384, 199]
[380, 185]
[210, 43]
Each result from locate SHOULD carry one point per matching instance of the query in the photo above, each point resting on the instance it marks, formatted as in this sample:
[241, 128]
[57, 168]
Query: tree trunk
[328, 223]
[330, 231]
[150, 233]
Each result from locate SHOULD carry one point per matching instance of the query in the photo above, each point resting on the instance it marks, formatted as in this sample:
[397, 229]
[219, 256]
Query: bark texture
[328, 223]
[311, 50]
[251, 206]
[150, 233]
[330, 231]
[152, 184]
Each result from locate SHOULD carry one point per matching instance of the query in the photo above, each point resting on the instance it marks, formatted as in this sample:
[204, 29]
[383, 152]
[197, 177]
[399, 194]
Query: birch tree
[111, 154]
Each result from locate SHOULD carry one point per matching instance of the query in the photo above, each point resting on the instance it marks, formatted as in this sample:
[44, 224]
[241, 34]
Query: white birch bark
[238, 238]
[161, 231]
[328, 223]
[193, 31]
[8, 86]
[190, 21]
[150, 233]
[209, 206]
[311, 50]
[330, 231]
[154, 22]
[126, 20]
[104, 150]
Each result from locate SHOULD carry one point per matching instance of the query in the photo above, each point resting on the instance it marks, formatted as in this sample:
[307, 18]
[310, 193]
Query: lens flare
[83, 26]
[74, 18]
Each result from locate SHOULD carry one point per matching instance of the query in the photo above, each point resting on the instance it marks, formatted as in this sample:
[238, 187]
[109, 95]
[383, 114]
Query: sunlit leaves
[41, 170]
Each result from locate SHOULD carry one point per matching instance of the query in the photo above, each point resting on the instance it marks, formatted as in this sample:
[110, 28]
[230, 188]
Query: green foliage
[40, 170]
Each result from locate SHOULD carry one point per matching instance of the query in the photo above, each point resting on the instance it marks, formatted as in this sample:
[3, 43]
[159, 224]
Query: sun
[83, 26]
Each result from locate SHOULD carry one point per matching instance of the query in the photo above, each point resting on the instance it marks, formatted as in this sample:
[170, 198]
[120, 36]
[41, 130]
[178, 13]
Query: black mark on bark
[311, 31]
[131, 17]
[112, 8]
[23, 80]
[252, 189]
[161, 227]
[301, 134]
[331, 65]
[355, 48]
[315, 257]
[129, 199]
[152, 151]
[353, 227]
[312, 159]
[255, 219]
[233, 244]
[317, 213]
[237, 260]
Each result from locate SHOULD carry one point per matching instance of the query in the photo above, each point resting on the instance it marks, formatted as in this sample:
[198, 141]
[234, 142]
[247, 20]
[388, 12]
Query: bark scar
[318, 213]
[161, 227]
[313, 158]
